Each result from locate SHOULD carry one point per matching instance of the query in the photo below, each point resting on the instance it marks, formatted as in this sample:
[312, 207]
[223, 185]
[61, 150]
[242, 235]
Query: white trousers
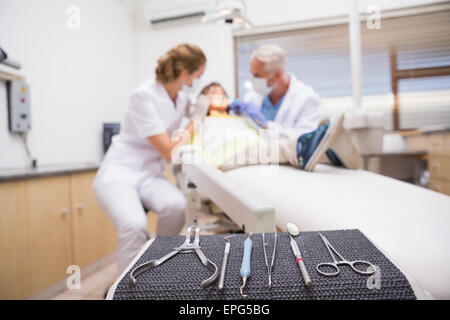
[125, 204]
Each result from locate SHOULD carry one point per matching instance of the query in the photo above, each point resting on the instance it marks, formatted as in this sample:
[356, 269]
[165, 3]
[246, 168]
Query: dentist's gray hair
[272, 55]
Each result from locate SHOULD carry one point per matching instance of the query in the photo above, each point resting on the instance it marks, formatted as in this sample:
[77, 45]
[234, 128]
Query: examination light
[229, 11]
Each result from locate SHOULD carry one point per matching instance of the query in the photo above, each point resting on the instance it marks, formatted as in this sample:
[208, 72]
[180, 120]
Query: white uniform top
[131, 158]
[298, 113]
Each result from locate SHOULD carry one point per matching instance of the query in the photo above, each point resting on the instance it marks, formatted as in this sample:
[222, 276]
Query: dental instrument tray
[181, 277]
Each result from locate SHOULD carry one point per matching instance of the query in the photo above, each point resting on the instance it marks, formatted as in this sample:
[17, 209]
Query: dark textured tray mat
[180, 277]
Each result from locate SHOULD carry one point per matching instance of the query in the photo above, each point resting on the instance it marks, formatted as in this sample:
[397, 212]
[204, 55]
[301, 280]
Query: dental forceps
[225, 261]
[187, 246]
[334, 265]
[269, 267]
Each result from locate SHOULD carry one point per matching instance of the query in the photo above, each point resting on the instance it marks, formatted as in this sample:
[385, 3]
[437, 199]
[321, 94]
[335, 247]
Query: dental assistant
[278, 99]
[131, 174]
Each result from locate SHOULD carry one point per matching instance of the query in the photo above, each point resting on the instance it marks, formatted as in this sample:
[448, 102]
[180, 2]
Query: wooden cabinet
[47, 224]
[93, 232]
[48, 206]
[438, 148]
[14, 251]
[440, 186]
[417, 143]
[437, 144]
[439, 167]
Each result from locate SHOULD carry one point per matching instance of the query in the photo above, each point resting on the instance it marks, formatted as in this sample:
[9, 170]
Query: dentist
[131, 174]
[278, 99]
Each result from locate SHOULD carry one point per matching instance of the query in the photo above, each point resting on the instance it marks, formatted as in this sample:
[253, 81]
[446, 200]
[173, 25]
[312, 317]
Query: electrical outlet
[19, 106]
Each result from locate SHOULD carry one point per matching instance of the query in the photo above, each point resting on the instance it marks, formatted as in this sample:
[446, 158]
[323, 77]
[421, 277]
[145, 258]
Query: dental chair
[410, 224]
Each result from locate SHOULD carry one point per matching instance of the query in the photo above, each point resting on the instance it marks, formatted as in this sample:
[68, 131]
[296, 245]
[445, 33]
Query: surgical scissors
[334, 265]
[187, 246]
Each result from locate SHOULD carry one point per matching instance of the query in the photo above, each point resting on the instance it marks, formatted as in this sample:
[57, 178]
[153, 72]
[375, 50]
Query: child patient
[218, 99]
[304, 152]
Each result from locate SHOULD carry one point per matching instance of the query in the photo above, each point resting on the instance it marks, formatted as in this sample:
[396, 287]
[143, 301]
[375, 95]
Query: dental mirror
[293, 232]
[292, 229]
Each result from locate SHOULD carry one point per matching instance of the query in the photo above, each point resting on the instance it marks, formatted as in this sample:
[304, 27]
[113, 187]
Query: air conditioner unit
[158, 12]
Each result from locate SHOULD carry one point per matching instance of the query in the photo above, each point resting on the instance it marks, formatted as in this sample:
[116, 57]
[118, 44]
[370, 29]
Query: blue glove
[237, 106]
[249, 109]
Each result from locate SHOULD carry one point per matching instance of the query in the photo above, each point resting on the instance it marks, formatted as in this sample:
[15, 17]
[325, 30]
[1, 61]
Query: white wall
[78, 79]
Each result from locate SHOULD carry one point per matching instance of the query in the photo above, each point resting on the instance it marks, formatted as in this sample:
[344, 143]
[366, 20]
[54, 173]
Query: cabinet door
[14, 260]
[48, 206]
[419, 143]
[440, 186]
[436, 144]
[94, 235]
[439, 167]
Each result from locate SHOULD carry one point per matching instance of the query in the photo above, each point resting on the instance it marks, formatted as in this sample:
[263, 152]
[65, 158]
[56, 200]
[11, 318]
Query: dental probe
[225, 261]
[245, 267]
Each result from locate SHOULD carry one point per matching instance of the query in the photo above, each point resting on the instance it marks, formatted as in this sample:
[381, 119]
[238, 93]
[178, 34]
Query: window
[405, 66]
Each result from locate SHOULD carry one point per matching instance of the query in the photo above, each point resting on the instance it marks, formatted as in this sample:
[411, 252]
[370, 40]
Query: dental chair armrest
[243, 206]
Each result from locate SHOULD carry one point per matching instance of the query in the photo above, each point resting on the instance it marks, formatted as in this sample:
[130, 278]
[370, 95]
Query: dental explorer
[245, 267]
[225, 261]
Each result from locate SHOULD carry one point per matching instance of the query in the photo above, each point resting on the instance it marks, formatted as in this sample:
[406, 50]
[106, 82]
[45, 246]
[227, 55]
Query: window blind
[405, 66]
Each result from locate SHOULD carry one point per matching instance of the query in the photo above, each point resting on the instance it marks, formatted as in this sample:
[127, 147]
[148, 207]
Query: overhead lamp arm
[8, 62]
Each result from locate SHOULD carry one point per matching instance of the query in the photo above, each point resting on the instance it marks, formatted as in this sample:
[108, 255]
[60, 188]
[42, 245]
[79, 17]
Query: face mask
[260, 86]
[192, 88]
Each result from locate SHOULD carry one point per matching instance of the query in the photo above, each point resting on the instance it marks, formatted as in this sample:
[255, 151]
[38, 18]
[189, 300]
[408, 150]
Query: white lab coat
[150, 112]
[131, 175]
[298, 113]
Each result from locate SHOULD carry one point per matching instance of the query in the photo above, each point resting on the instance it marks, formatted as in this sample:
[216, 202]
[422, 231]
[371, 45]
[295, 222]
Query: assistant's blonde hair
[184, 56]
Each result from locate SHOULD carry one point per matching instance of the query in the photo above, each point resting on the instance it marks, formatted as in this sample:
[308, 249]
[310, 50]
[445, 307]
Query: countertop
[424, 131]
[405, 153]
[45, 171]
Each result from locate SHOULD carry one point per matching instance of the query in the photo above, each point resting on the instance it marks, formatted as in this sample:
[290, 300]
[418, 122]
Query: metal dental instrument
[334, 265]
[293, 231]
[269, 268]
[187, 246]
[225, 261]
[245, 267]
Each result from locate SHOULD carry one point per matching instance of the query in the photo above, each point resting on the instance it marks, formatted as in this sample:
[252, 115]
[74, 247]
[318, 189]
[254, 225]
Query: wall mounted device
[109, 131]
[175, 12]
[18, 106]
[19, 120]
